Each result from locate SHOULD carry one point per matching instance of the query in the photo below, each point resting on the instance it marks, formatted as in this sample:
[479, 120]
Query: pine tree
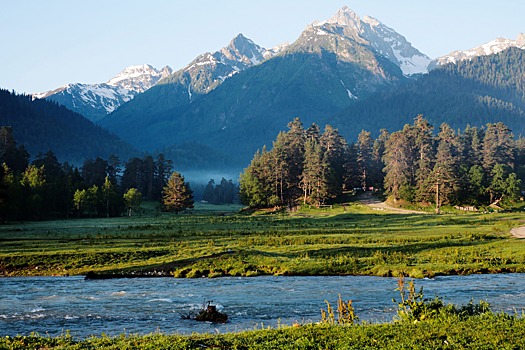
[378, 150]
[313, 179]
[424, 147]
[476, 189]
[177, 194]
[364, 157]
[398, 159]
[443, 180]
[16, 158]
[257, 182]
[209, 192]
[114, 167]
[293, 148]
[498, 146]
[163, 169]
[336, 159]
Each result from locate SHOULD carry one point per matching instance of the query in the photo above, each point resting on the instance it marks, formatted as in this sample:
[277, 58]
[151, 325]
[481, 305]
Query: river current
[54, 305]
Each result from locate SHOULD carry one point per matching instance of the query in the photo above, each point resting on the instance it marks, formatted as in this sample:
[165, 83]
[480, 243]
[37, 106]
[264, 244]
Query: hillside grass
[215, 241]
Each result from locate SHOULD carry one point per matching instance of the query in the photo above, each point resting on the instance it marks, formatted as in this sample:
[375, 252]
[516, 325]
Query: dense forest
[42, 125]
[476, 166]
[45, 188]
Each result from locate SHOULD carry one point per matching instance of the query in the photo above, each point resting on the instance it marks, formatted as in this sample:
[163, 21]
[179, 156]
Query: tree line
[46, 188]
[476, 166]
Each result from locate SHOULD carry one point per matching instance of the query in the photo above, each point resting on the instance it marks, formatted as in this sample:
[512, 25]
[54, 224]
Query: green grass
[216, 241]
[486, 331]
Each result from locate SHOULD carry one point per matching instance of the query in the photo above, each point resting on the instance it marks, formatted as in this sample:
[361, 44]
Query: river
[54, 305]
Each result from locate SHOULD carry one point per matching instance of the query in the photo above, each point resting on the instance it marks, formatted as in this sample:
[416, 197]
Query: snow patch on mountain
[94, 101]
[139, 78]
[383, 39]
[209, 70]
[490, 48]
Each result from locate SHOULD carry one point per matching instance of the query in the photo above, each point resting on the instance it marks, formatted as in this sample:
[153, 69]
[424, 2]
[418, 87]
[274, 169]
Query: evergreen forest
[46, 188]
[474, 167]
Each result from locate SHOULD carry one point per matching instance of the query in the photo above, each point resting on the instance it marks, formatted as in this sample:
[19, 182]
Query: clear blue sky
[45, 44]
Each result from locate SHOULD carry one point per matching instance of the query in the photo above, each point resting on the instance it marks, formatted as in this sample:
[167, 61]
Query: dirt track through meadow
[369, 200]
[518, 232]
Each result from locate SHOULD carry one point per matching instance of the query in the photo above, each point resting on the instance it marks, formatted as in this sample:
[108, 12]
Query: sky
[46, 44]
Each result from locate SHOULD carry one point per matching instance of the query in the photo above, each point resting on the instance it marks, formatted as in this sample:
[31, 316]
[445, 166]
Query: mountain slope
[485, 89]
[492, 47]
[330, 65]
[384, 40]
[176, 92]
[95, 101]
[42, 125]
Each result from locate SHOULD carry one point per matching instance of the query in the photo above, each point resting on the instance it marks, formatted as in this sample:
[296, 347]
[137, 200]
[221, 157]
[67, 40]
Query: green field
[217, 241]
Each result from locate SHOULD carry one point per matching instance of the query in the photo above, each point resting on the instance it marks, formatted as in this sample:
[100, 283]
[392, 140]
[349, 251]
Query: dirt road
[518, 232]
[366, 198]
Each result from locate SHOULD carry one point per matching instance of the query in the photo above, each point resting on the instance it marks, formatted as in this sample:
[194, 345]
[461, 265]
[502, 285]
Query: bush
[414, 307]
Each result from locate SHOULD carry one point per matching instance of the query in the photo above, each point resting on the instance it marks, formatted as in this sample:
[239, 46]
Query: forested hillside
[486, 89]
[42, 125]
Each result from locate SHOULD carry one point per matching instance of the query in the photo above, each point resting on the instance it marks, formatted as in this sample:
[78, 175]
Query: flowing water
[54, 305]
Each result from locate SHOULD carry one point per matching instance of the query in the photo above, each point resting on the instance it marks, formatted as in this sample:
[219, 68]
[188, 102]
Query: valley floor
[350, 239]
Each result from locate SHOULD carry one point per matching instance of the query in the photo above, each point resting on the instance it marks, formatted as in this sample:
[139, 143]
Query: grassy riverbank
[218, 241]
[486, 331]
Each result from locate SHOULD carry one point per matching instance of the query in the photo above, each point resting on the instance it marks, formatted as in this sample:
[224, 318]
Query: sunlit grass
[216, 241]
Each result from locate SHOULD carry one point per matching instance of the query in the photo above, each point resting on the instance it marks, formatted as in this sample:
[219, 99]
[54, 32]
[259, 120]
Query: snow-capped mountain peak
[209, 70]
[244, 50]
[346, 17]
[383, 39]
[95, 101]
[492, 47]
[139, 78]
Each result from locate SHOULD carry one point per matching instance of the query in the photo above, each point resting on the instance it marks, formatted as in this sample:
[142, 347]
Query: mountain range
[350, 72]
[95, 101]
[483, 89]
[495, 46]
[331, 64]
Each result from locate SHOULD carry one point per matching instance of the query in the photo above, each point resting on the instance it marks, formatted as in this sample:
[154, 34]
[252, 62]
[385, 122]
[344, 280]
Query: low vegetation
[350, 239]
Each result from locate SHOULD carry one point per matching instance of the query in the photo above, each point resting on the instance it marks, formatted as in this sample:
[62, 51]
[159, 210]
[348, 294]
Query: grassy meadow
[216, 241]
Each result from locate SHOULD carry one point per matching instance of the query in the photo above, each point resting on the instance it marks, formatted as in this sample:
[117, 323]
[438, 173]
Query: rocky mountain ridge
[95, 101]
[492, 47]
[383, 39]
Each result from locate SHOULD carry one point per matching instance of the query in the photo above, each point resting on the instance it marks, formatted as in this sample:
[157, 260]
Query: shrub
[345, 313]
